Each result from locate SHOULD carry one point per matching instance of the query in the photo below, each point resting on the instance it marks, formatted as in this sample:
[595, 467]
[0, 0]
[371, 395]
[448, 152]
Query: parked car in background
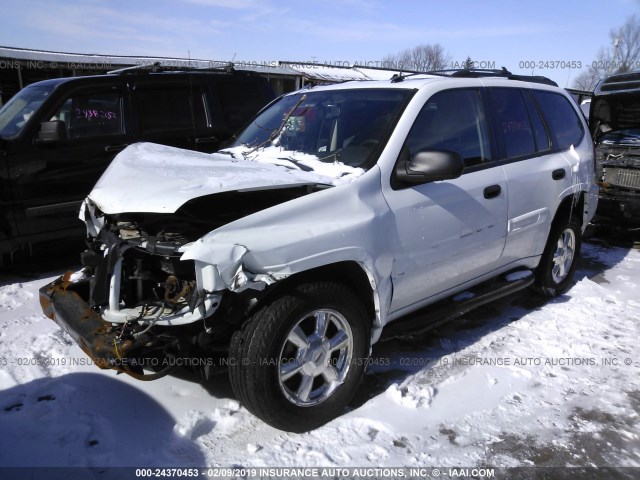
[338, 215]
[58, 136]
[583, 99]
[615, 125]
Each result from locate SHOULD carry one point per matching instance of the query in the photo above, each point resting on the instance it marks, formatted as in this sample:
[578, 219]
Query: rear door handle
[558, 174]
[492, 191]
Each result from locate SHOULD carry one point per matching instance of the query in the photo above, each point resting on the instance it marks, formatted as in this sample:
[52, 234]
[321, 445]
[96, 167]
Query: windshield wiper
[301, 166]
[225, 152]
[275, 131]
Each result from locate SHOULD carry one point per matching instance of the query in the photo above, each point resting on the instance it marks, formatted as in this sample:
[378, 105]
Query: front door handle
[115, 148]
[206, 140]
[558, 174]
[492, 191]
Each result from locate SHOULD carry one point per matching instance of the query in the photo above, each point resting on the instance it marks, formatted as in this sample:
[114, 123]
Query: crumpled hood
[147, 177]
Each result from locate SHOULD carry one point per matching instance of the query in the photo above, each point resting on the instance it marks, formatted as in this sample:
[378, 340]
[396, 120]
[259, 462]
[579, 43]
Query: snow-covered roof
[376, 73]
[97, 59]
[310, 71]
[267, 69]
[325, 73]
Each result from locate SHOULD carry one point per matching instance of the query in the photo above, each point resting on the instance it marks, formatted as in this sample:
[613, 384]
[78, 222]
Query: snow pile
[336, 172]
[519, 382]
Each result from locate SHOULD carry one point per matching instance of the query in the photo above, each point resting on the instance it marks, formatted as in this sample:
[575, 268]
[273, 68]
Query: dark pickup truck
[615, 125]
[58, 136]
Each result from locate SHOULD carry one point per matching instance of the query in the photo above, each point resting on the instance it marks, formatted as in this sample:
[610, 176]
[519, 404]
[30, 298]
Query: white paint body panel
[147, 177]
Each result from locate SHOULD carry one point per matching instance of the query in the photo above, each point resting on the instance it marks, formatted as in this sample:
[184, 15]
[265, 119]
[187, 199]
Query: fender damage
[174, 277]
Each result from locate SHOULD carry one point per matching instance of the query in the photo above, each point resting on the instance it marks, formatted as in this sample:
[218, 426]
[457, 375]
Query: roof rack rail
[157, 67]
[480, 73]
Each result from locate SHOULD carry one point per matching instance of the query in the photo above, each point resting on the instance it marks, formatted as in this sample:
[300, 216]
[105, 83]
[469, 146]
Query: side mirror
[53, 131]
[429, 166]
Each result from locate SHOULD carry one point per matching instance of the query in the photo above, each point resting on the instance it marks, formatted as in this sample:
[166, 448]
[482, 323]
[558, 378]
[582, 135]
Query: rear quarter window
[561, 118]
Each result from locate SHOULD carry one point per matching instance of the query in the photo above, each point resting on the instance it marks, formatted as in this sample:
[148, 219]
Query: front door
[53, 177]
[448, 232]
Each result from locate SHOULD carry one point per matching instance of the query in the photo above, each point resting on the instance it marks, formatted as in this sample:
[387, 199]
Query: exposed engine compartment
[620, 167]
[147, 309]
[147, 248]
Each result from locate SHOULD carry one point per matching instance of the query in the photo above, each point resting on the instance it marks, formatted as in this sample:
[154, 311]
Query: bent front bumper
[103, 342]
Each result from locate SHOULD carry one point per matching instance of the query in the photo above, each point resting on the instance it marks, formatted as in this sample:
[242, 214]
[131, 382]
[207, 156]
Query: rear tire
[559, 259]
[298, 361]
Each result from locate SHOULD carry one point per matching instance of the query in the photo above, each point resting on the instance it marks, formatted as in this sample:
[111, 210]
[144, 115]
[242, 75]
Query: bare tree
[589, 78]
[468, 63]
[626, 42]
[421, 58]
[622, 55]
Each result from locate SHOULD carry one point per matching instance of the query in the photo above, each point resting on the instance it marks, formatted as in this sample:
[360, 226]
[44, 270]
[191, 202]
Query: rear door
[174, 112]
[537, 172]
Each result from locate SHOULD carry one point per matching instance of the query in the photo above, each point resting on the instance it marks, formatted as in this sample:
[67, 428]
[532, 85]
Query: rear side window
[540, 133]
[512, 122]
[561, 118]
[170, 107]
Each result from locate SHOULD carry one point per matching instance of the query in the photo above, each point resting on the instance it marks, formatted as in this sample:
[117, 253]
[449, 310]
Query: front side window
[90, 115]
[452, 120]
[561, 118]
[512, 122]
[17, 111]
[345, 126]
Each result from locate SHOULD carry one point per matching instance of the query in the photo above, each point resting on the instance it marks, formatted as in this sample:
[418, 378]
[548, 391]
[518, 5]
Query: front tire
[559, 259]
[298, 361]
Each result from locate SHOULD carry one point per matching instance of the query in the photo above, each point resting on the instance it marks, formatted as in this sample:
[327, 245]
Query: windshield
[344, 126]
[622, 137]
[614, 113]
[14, 115]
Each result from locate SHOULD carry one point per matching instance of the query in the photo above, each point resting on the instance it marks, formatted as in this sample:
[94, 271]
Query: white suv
[339, 214]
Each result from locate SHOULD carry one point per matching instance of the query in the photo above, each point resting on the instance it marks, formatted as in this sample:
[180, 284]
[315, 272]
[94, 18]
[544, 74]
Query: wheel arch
[354, 275]
[569, 215]
[571, 206]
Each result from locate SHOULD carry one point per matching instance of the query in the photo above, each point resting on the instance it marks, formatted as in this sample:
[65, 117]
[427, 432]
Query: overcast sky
[500, 32]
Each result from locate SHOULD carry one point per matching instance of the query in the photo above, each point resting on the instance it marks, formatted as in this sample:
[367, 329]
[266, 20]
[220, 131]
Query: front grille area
[622, 177]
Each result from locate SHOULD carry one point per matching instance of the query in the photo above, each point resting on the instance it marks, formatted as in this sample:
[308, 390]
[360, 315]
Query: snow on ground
[520, 382]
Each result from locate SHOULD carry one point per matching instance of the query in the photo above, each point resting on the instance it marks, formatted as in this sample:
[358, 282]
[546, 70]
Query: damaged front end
[615, 126]
[137, 306]
[618, 159]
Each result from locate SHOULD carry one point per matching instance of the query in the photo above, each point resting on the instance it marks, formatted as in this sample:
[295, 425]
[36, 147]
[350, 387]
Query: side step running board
[449, 309]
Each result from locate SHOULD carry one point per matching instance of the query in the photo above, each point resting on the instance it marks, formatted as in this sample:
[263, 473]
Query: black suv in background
[58, 136]
[614, 121]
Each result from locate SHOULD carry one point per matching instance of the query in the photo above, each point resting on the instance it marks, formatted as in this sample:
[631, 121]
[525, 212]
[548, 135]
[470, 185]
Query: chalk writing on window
[88, 114]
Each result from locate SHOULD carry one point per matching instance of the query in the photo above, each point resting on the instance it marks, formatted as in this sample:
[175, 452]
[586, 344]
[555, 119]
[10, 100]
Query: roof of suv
[419, 80]
[117, 76]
